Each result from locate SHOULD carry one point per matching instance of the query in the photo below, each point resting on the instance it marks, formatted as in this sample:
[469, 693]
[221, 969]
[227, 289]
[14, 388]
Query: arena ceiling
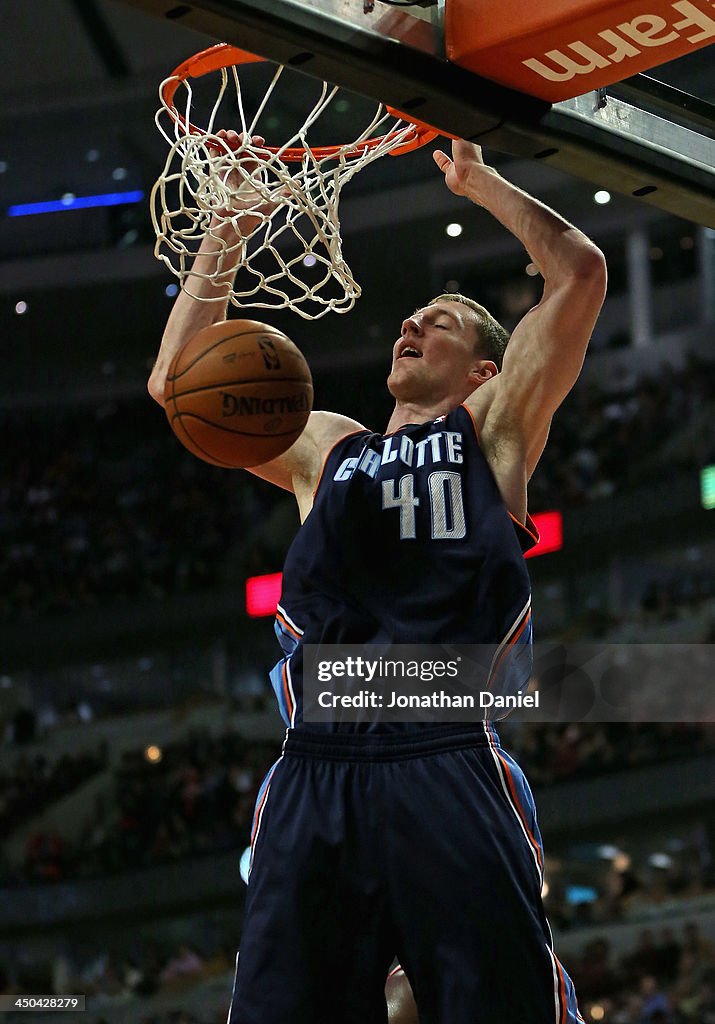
[78, 85]
[78, 91]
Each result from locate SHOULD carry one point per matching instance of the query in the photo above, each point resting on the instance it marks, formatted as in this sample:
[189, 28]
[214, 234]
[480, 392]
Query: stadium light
[72, 202]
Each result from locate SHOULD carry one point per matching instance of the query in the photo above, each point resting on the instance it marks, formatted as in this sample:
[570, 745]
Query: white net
[272, 213]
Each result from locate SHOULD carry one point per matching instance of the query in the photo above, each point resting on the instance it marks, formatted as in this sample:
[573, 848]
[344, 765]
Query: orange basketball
[238, 393]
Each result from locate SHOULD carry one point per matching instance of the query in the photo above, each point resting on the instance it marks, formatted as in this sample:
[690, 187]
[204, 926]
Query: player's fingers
[234, 139]
[467, 154]
[441, 159]
[230, 137]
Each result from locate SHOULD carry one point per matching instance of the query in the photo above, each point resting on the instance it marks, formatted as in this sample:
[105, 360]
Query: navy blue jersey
[408, 541]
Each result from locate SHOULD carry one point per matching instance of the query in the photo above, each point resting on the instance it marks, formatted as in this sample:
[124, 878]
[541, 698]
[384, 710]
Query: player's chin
[396, 385]
[400, 384]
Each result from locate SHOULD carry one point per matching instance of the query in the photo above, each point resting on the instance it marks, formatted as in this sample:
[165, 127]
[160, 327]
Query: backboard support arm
[655, 144]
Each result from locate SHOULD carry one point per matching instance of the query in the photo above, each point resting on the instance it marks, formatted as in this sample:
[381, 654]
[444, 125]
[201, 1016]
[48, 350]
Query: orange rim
[222, 55]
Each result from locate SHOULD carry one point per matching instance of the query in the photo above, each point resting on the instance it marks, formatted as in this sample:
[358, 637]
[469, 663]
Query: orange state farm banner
[558, 49]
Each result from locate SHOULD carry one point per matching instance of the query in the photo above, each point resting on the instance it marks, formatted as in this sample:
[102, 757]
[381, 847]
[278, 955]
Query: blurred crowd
[626, 432]
[199, 798]
[34, 782]
[101, 504]
[666, 977]
[669, 596]
[605, 884]
[125, 978]
[196, 797]
[554, 753]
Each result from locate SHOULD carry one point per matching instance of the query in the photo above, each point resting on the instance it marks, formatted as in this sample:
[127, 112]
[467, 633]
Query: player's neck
[416, 412]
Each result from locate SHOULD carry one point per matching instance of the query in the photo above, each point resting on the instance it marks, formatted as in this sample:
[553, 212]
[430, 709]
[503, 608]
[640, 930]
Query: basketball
[238, 393]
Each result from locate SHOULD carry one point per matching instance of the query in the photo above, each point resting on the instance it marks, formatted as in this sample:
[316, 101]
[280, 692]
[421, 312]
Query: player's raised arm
[189, 313]
[298, 469]
[546, 350]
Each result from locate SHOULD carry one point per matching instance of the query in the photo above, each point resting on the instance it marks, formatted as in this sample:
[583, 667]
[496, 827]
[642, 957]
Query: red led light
[551, 533]
[262, 594]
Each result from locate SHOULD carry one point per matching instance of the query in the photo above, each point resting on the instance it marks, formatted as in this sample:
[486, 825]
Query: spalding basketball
[238, 393]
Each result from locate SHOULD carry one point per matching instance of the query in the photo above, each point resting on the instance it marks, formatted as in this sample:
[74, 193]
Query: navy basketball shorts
[423, 848]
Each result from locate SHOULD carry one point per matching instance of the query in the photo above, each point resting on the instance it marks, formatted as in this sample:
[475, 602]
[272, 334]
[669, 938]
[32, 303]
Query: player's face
[434, 355]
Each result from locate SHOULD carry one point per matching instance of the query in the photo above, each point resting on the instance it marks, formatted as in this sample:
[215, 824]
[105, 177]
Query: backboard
[640, 138]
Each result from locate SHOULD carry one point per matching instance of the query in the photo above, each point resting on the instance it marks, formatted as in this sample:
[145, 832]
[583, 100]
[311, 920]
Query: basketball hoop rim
[223, 55]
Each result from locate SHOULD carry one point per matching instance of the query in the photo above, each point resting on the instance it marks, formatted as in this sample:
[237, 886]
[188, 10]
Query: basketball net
[271, 209]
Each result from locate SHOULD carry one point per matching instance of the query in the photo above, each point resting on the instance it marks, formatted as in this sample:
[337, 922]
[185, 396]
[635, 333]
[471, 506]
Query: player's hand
[462, 171]
[241, 179]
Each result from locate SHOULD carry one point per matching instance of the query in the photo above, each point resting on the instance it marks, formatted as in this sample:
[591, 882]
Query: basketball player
[413, 840]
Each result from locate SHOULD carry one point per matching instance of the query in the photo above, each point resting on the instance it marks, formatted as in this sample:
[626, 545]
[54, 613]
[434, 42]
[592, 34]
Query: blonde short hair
[492, 337]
